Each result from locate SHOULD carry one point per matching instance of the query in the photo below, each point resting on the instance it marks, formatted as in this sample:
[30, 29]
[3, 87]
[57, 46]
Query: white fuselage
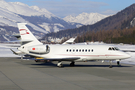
[82, 52]
[65, 52]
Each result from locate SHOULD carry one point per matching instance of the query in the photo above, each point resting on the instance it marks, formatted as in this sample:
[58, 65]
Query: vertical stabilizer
[26, 36]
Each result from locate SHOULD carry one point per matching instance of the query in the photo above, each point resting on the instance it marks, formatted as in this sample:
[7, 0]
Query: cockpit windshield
[117, 49]
[114, 48]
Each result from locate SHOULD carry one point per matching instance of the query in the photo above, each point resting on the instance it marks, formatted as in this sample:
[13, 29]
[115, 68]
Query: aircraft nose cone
[127, 55]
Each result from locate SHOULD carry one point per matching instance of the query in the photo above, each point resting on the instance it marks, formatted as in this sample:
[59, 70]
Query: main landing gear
[72, 64]
[60, 64]
[118, 63]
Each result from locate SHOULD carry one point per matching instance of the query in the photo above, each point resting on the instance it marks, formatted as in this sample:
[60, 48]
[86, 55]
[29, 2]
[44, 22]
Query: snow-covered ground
[6, 52]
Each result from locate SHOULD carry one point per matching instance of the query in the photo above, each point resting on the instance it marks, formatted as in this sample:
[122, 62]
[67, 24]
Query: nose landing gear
[118, 62]
[110, 64]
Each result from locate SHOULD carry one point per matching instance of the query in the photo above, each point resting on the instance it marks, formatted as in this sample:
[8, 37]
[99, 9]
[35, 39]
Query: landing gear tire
[110, 64]
[36, 60]
[118, 63]
[72, 64]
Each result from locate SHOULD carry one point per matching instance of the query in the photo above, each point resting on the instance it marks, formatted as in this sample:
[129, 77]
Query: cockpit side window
[114, 48]
[110, 48]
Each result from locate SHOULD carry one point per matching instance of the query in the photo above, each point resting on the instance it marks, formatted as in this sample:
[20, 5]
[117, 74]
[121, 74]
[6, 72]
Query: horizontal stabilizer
[17, 53]
[14, 52]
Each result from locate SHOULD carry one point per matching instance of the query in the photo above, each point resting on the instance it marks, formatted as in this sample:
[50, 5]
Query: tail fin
[26, 36]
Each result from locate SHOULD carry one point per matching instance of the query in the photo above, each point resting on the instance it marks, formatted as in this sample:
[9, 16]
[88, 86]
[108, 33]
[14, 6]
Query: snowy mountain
[40, 21]
[123, 20]
[85, 18]
[23, 9]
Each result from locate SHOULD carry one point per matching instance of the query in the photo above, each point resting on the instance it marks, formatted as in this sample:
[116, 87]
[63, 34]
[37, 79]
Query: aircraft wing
[64, 59]
[57, 59]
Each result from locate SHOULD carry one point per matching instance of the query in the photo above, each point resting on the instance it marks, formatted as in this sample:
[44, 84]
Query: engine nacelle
[39, 49]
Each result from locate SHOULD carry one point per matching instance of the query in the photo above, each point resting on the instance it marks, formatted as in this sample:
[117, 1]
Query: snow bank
[6, 52]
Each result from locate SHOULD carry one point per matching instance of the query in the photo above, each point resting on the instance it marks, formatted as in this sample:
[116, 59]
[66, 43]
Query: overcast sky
[62, 8]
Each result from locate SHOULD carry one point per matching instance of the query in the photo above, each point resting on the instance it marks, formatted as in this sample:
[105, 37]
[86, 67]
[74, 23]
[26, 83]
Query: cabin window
[92, 50]
[83, 50]
[87, 50]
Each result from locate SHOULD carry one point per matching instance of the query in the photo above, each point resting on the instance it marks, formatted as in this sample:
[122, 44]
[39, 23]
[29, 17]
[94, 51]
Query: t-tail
[27, 38]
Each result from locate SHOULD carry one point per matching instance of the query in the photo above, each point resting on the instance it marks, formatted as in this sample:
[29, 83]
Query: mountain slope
[85, 18]
[121, 20]
[40, 21]
[23, 9]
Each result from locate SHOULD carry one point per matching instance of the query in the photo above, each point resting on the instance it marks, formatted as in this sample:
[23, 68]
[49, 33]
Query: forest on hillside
[126, 36]
[112, 29]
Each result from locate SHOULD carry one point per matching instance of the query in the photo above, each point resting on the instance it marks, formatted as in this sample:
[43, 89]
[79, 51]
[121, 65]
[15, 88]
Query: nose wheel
[110, 64]
[118, 63]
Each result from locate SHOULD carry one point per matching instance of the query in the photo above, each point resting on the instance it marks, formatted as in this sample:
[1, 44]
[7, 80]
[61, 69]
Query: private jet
[67, 52]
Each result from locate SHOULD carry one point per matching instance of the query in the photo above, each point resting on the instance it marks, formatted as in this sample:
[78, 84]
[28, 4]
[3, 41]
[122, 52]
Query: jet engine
[39, 49]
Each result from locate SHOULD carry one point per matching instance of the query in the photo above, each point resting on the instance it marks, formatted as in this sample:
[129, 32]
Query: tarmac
[16, 74]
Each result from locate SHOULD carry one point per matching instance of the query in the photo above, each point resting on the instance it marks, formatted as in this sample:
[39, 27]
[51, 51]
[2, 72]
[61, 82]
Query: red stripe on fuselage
[88, 55]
